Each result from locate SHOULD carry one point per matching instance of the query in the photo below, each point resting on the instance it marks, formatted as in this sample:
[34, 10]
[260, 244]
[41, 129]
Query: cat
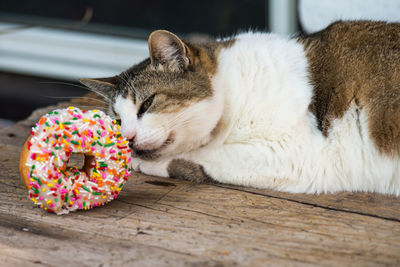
[312, 113]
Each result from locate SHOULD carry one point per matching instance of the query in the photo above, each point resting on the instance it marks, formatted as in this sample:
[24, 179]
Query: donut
[59, 188]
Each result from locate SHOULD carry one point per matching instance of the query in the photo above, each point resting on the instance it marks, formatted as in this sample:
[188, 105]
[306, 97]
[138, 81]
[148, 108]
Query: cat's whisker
[179, 115]
[154, 135]
[66, 83]
[88, 107]
[124, 77]
[100, 94]
[159, 132]
[172, 123]
[79, 86]
[178, 119]
[77, 97]
[121, 77]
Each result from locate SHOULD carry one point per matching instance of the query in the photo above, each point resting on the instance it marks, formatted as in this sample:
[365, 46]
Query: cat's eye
[145, 106]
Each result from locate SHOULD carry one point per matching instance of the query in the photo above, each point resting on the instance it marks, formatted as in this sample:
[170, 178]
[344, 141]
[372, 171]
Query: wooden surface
[157, 221]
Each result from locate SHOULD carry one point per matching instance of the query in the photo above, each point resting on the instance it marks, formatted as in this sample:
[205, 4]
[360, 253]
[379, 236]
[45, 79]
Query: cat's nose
[132, 142]
[130, 135]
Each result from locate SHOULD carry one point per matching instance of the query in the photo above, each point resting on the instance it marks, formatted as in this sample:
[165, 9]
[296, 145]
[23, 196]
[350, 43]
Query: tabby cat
[313, 113]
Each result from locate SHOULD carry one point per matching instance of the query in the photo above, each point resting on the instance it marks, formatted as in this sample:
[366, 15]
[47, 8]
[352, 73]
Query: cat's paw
[135, 163]
[154, 168]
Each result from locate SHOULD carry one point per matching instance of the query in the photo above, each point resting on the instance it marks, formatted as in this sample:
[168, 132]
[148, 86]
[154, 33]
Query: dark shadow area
[138, 18]
[20, 94]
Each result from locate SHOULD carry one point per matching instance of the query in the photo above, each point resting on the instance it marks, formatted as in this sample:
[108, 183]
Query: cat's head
[166, 103]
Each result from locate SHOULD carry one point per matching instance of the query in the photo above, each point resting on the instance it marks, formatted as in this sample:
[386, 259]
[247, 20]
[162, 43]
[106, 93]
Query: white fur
[127, 112]
[190, 128]
[146, 132]
[269, 138]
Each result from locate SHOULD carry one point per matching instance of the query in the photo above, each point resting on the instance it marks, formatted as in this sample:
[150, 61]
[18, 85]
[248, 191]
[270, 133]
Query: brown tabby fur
[174, 87]
[358, 63]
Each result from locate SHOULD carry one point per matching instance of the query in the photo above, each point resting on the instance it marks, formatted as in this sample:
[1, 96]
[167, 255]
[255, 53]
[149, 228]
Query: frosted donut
[58, 188]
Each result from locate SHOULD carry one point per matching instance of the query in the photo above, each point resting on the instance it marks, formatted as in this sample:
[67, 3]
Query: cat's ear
[102, 86]
[167, 49]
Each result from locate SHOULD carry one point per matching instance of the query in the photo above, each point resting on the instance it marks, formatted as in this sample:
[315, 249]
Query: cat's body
[318, 113]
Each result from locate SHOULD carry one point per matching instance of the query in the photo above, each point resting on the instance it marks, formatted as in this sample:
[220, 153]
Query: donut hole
[76, 160]
[82, 162]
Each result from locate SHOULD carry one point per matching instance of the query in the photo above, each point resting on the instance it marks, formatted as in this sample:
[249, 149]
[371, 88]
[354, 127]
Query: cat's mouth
[150, 154]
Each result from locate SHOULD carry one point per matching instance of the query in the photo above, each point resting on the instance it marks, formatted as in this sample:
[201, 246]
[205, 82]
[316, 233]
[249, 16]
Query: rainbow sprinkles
[58, 188]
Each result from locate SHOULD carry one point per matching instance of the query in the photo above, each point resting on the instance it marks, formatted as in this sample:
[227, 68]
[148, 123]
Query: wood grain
[163, 222]
[371, 204]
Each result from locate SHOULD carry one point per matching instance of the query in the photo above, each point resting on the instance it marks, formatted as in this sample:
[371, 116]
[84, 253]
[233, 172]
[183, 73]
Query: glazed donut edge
[23, 169]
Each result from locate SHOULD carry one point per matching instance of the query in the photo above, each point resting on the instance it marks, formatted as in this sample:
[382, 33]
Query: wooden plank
[255, 230]
[372, 204]
[25, 244]
[236, 228]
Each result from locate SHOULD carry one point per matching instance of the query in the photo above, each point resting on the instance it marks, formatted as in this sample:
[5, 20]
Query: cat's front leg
[225, 164]
[175, 168]
[237, 164]
[197, 165]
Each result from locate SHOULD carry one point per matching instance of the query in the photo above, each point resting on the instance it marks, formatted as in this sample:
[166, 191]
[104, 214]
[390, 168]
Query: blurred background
[47, 45]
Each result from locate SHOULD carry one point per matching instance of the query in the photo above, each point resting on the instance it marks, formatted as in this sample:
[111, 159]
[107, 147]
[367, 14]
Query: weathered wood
[157, 221]
[24, 245]
[371, 204]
